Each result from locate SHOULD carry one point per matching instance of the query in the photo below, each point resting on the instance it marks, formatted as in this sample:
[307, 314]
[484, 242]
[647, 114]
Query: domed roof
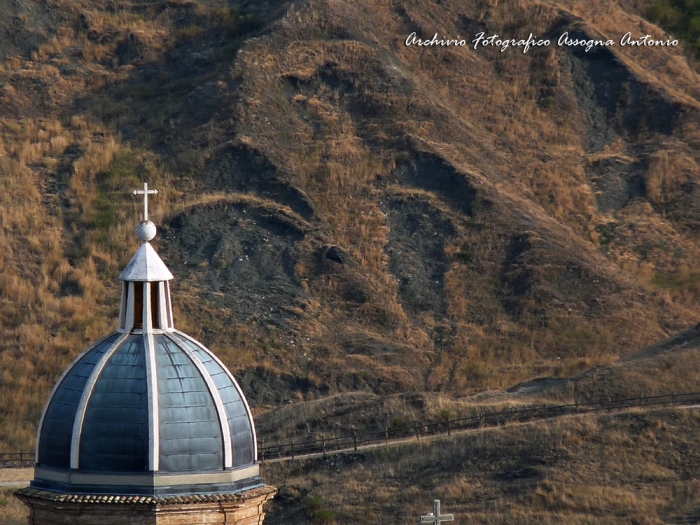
[147, 409]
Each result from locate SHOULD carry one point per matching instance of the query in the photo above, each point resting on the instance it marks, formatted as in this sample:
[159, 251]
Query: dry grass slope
[501, 215]
[627, 468]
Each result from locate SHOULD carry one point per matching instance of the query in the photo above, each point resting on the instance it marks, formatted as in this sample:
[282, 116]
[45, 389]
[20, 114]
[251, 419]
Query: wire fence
[415, 430]
[16, 459]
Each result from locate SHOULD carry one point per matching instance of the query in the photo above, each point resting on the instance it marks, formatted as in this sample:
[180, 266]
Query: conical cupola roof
[146, 265]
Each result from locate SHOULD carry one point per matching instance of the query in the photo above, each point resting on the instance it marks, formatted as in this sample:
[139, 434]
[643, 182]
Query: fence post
[609, 403]
[481, 418]
[448, 426]
[323, 446]
[576, 406]
[262, 451]
[416, 429]
[291, 443]
[545, 410]
[354, 439]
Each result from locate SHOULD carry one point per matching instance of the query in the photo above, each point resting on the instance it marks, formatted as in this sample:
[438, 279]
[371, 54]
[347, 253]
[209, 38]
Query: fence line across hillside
[292, 449]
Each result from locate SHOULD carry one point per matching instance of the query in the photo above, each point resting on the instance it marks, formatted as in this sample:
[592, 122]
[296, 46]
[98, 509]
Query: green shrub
[547, 102]
[192, 32]
[466, 255]
[398, 422]
[402, 157]
[313, 504]
[623, 96]
[680, 18]
[444, 415]
[325, 517]
[105, 214]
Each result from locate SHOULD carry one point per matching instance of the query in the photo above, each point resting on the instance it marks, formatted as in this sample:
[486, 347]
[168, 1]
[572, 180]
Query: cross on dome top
[145, 265]
[145, 192]
[145, 230]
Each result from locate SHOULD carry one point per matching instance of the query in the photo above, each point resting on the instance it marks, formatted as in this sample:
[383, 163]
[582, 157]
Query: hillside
[627, 468]
[343, 212]
[630, 467]
[667, 367]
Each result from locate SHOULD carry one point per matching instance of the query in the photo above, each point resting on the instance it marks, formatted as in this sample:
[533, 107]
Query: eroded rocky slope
[342, 211]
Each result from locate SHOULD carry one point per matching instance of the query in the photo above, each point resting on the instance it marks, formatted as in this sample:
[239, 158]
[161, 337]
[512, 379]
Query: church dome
[147, 410]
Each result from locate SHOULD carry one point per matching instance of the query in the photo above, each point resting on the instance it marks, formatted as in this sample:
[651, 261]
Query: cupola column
[145, 306]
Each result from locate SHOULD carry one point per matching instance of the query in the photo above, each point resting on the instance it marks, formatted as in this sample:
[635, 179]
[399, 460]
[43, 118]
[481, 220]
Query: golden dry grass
[609, 469]
[12, 510]
[66, 216]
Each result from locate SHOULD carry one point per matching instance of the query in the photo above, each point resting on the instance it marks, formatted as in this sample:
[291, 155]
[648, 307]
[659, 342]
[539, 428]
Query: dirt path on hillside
[13, 475]
[444, 435]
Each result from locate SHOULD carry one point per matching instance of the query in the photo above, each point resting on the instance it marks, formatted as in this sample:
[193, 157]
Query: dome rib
[190, 429]
[53, 396]
[236, 412]
[218, 403]
[85, 399]
[153, 403]
[115, 431]
[233, 380]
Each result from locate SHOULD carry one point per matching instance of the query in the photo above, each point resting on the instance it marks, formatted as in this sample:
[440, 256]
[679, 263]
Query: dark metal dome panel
[115, 430]
[57, 426]
[190, 432]
[147, 410]
[236, 411]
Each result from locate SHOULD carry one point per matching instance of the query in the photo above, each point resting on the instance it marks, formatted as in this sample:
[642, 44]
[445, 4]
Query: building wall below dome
[240, 509]
[148, 484]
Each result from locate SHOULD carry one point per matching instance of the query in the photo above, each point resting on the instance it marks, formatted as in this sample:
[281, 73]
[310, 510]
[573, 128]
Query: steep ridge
[342, 211]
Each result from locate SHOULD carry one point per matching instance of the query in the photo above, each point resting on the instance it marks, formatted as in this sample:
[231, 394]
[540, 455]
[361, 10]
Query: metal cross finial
[435, 516]
[145, 192]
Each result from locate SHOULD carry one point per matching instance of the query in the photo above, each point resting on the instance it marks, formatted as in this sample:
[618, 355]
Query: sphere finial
[145, 230]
